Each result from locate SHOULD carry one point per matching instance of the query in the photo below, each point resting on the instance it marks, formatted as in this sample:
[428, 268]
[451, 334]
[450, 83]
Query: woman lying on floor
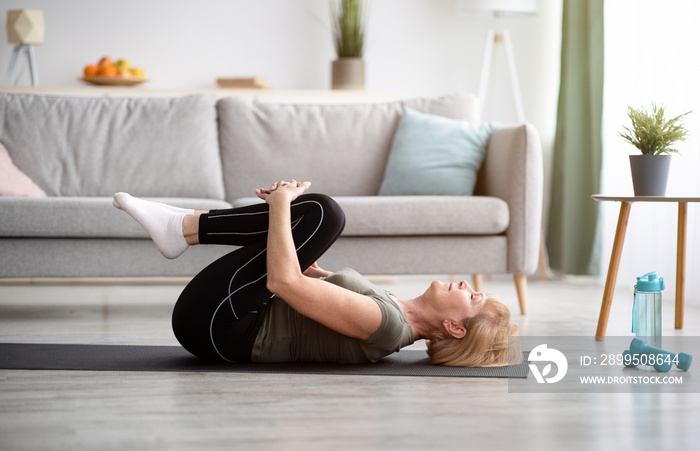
[268, 301]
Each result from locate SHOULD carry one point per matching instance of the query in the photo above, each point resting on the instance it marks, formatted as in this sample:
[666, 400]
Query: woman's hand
[316, 271]
[283, 190]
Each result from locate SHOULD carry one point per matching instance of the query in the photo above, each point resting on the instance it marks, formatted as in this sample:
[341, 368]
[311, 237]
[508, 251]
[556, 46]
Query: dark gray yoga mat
[31, 356]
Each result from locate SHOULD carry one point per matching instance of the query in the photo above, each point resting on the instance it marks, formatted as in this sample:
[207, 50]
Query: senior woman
[268, 300]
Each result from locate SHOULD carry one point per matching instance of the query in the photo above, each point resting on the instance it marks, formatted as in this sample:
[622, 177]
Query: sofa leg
[478, 281]
[521, 288]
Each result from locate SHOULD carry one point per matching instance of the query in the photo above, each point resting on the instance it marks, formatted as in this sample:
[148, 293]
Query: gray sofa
[202, 151]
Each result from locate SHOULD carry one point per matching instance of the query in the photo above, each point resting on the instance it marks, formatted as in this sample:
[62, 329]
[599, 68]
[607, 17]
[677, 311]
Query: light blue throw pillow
[434, 155]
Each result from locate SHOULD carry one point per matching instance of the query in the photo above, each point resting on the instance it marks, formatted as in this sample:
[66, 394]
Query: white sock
[185, 211]
[162, 222]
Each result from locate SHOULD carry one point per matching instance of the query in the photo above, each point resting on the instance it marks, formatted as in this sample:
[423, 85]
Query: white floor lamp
[25, 29]
[499, 9]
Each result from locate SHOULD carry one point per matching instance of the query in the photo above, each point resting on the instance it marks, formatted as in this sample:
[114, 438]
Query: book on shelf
[244, 82]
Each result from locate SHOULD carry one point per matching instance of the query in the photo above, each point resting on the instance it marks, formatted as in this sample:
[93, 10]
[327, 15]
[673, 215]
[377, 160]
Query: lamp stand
[493, 38]
[28, 50]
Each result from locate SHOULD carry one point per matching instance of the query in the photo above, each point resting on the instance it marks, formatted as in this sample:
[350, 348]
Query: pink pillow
[14, 182]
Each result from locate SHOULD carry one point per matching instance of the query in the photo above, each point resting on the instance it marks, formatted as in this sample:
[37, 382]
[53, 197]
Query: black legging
[219, 313]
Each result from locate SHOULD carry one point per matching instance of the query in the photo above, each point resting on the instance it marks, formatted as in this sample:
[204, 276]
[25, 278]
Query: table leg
[612, 269]
[680, 263]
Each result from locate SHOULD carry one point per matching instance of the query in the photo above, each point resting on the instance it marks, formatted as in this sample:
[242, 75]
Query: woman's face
[455, 298]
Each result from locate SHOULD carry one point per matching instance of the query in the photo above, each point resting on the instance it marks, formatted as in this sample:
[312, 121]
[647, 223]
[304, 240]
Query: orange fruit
[90, 70]
[105, 61]
[107, 71]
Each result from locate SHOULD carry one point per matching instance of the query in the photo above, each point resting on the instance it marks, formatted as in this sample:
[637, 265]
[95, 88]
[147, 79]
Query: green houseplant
[348, 25]
[653, 135]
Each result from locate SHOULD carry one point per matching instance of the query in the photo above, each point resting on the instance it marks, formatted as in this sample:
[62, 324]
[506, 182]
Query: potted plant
[653, 135]
[348, 20]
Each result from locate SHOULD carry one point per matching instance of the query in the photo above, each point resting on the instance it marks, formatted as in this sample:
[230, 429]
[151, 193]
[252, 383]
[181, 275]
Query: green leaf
[348, 19]
[651, 133]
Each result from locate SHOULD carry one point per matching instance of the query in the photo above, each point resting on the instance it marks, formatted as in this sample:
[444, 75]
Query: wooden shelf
[261, 94]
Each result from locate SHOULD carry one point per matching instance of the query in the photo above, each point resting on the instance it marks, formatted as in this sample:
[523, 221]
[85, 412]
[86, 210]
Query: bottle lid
[650, 282]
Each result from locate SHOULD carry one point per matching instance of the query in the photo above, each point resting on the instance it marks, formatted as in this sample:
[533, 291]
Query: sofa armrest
[513, 171]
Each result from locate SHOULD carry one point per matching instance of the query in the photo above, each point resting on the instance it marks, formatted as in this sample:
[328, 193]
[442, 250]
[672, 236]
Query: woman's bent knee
[333, 214]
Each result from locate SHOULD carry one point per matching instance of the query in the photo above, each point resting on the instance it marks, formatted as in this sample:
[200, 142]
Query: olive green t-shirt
[288, 336]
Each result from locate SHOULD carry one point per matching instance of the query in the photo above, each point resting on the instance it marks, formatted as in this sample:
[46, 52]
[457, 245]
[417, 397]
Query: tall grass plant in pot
[653, 135]
[348, 18]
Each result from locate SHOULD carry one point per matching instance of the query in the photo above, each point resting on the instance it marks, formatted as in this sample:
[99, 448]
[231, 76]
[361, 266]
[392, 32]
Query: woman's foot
[186, 211]
[162, 222]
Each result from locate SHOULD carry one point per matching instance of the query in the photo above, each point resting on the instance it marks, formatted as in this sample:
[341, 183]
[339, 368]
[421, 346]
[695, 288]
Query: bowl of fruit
[119, 73]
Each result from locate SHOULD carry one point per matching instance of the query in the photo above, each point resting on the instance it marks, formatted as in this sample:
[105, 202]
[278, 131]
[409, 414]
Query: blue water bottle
[646, 311]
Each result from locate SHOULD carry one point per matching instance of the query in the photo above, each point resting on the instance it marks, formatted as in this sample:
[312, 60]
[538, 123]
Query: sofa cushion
[95, 146]
[419, 215]
[14, 182]
[262, 142]
[434, 155]
[88, 217]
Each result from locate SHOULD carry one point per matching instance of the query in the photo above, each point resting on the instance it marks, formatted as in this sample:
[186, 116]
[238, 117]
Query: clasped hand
[283, 190]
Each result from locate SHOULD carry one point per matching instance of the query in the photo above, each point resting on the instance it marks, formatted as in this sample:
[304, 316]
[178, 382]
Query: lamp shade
[501, 7]
[25, 26]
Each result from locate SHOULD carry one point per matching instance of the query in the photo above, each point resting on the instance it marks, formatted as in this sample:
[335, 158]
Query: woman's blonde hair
[487, 342]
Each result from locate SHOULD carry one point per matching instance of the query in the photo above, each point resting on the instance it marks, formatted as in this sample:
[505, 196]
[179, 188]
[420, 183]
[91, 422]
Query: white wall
[650, 243]
[416, 47]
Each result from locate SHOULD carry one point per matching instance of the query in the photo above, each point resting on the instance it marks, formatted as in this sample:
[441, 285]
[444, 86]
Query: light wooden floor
[130, 410]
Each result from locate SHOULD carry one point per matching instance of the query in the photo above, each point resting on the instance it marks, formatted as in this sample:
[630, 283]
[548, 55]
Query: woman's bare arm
[337, 308]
